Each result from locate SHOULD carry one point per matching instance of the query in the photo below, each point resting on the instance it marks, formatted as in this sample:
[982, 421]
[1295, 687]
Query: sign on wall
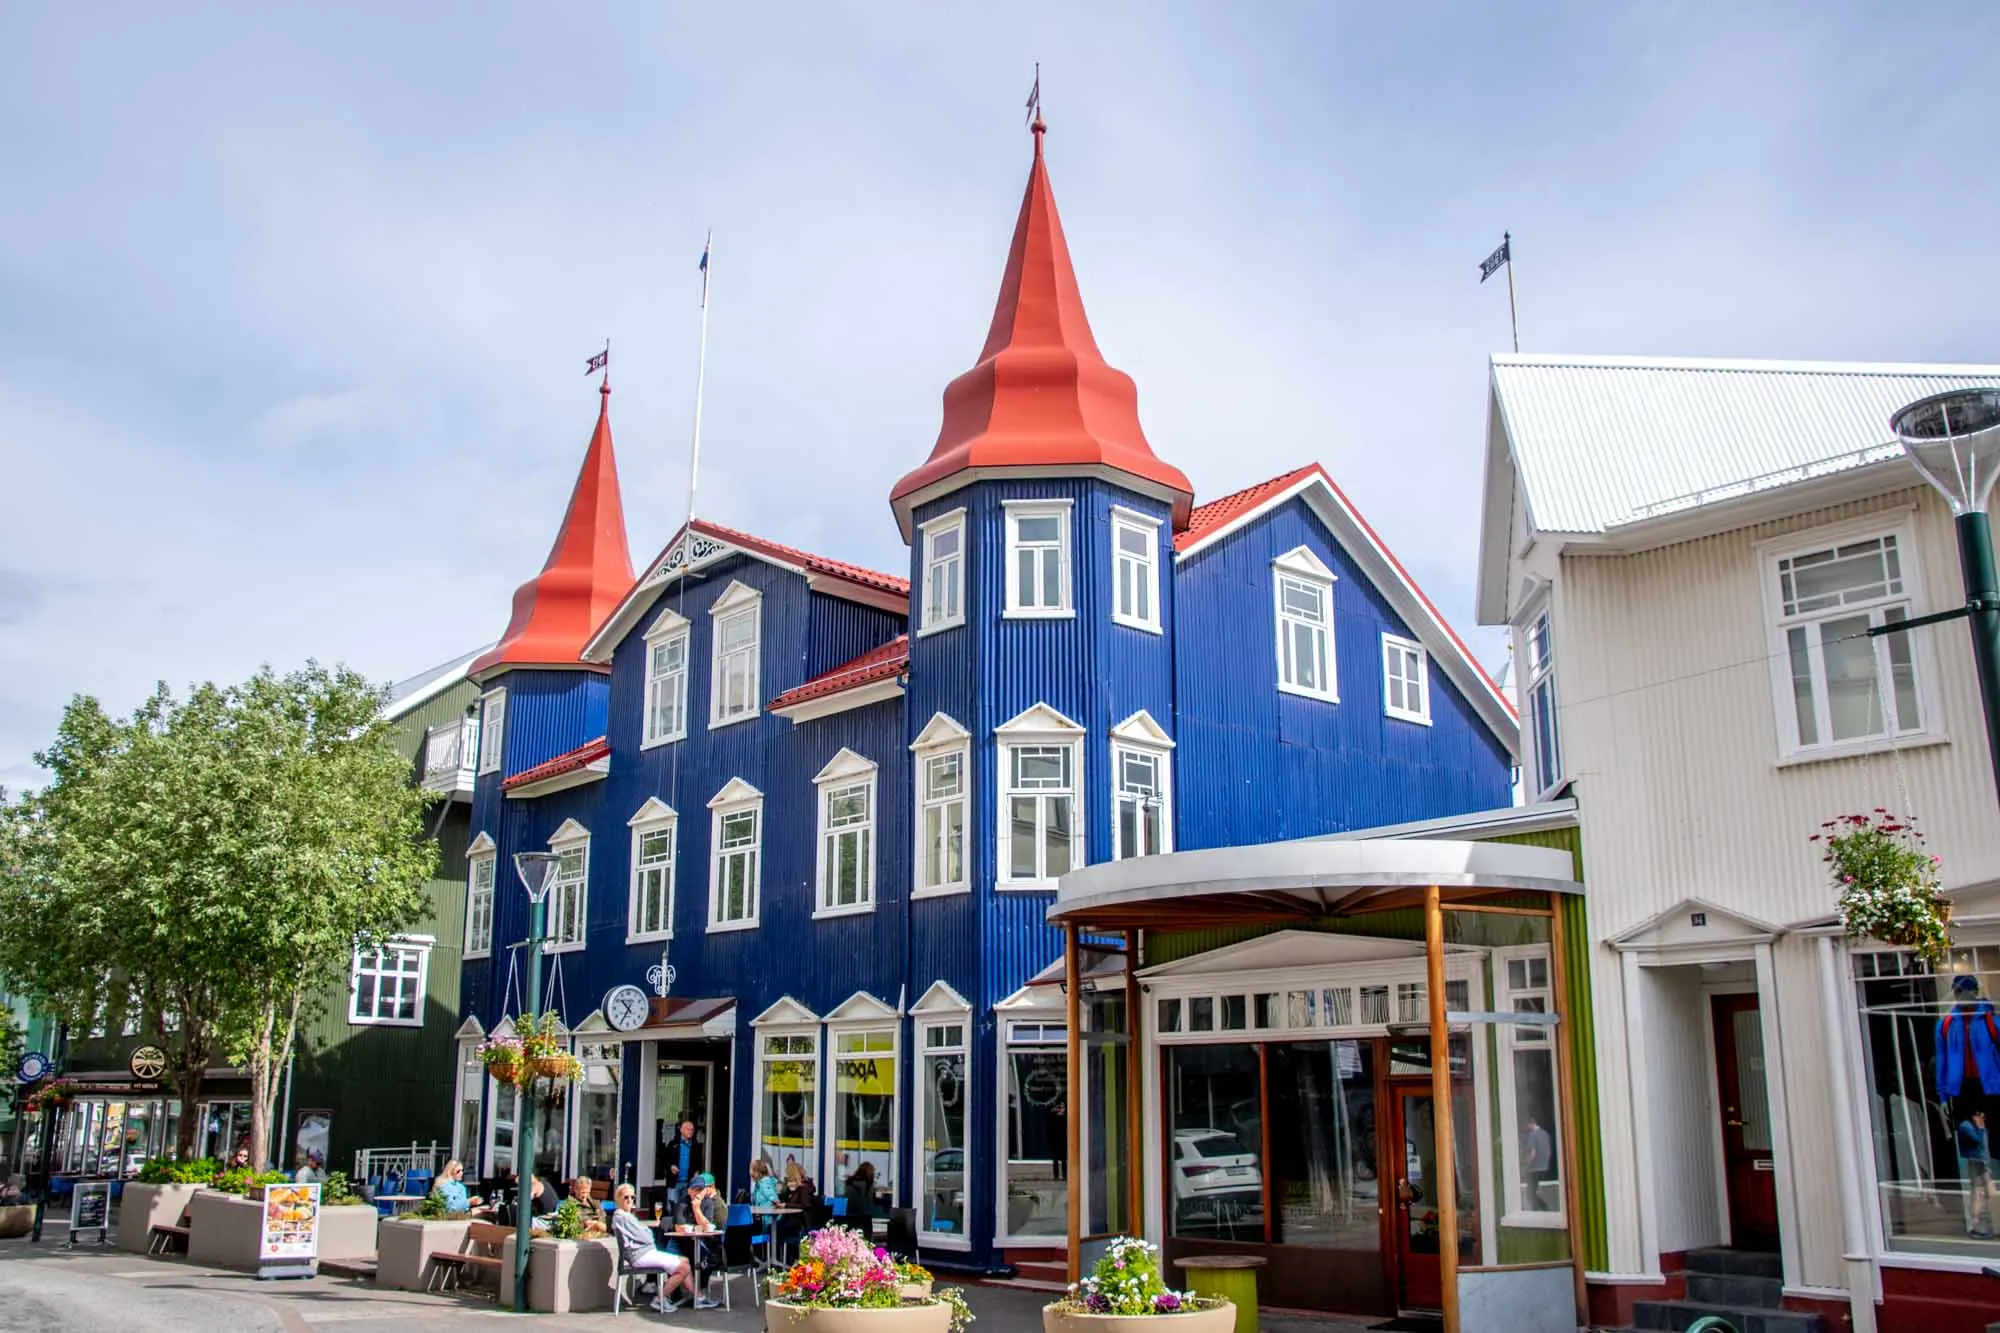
[147, 1063]
[289, 1245]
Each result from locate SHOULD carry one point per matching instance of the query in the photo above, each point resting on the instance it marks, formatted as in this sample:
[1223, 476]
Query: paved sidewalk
[44, 1288]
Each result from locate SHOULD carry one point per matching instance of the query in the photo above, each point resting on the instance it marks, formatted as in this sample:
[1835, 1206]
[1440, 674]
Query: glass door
[1418, 1191]
[680, 1092]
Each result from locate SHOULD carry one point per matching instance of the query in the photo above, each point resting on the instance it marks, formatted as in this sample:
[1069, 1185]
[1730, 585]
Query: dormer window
[1038, 563]
[944, 573]
[1302, 591]
[733, 683]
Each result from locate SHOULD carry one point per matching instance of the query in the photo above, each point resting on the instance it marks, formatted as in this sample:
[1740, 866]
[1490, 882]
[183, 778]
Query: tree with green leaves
[224, 855]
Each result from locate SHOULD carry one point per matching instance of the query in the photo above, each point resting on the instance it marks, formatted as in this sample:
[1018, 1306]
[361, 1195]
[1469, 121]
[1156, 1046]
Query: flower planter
[18, 1219]
[782, 1317]
[564, 1276]
[404, 1246]
[1206, 1319]
[916, 1291]
[143, 1207]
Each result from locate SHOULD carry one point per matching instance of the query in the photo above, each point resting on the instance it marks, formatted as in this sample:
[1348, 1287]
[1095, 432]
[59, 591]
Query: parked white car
[1211, 1165]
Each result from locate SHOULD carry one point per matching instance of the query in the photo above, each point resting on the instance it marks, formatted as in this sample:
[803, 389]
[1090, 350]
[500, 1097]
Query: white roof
[1602, 441]
[406, 695]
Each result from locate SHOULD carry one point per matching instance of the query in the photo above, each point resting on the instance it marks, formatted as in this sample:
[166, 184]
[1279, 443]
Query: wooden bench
[481, 1254]
[164, 1239]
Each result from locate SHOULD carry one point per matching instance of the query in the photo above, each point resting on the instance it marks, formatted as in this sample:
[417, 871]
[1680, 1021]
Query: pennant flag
[1494, 262]
[704, 256]
[598, 362]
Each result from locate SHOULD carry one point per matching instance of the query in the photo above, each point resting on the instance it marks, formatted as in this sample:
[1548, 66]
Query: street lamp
[536, 869]
[1953, 439]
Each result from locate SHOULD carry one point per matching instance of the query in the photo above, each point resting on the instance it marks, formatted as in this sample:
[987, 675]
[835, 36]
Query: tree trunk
[187, 1086]
[263, 1089]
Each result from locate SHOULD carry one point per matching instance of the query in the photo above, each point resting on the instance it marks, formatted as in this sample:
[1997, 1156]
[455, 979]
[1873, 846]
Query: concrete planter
[143, 1207]
[782, 1317]
[916, 1291]
[224, 1230]
[1210, 1319]
[18, 1219]
[404, 1246]
[347, 1231]
[564, 1276]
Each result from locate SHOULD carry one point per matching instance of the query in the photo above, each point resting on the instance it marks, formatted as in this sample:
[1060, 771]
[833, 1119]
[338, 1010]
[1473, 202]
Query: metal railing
[371, 1164]
[450, 752]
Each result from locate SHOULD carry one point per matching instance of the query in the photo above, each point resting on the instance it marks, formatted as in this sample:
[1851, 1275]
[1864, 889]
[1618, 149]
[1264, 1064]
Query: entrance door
[1746, 1123]
[1416, 1191]
[681, 1092]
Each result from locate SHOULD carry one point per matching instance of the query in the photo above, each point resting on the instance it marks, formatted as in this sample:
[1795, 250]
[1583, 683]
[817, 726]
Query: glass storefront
[942, 1137]
[1926, 1037]
[788, 1082]
[864, 1109]
[1037, 1064]
[1107, 1184]
[597, 1102]
[100, 1137]
[1215, 1142]
[1324, 1190]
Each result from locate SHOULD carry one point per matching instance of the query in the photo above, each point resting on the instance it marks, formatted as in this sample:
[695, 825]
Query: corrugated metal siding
[839, 631]
[1598, 440]
[1591, 1199]
[1345, 765]
[1680, 1146]
[551, 713]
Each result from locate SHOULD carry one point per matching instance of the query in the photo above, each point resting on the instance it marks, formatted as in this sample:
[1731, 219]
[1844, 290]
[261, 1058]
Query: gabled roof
[586, 763]
[836, 689]
[1217, 519]
[589, 568]
[1603, 446]
[1041, 396]
[703, 543]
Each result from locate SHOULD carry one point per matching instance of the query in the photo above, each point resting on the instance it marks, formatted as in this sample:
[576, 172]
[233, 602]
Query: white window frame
[1145, 571]
[1142, 737]
[1058, 509]
[667, 631]
[1896, 525]
[571, 836]
[1302, 567]
[736, 797]
[420, 945]
[493, 730]
[1037, 727]
[738, 601]
[468, 1088]
[494, 1120]
[480, 857]
[595, 1046]
[788, 1020]
[1538, 680]
[845, 773]
[1396, 655]
[1020, 1024]
[862, 1015]
[941, 1007]
[944, 577]
[942, 738]
[1520, 1036]
[655, 816]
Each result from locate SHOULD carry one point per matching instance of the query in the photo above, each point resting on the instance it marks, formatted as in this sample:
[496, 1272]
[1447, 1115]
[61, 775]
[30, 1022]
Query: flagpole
[1513, 321]
[700, 376]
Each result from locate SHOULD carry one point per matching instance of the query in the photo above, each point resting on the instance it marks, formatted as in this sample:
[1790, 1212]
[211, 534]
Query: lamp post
[535, 870]
[1953, 439]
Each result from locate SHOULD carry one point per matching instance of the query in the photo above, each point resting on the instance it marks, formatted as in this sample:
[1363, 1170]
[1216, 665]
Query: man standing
[685, 1159]
[1538, 1150]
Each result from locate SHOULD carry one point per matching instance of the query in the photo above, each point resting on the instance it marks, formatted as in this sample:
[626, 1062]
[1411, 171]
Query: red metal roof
[1041, 394]
[1220, 513]
[819, 564]
[582, 756]
[883, 663]
[588, 572]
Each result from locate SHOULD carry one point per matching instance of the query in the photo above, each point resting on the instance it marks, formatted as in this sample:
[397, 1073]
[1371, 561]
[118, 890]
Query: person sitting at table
[763, 1185]
[798, 1190]
[309, 1172]
[451, 1184]
[593, 1212]
[542, 1203]
[636, 1248]
[861, 1199]
[701, 1206]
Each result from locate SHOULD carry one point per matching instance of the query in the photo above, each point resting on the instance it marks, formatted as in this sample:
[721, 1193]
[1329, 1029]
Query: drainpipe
[1860, 1266]
[285, 1108]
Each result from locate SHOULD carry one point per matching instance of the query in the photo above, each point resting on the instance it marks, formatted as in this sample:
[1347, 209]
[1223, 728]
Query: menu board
[89, 1208]
[291, 1226]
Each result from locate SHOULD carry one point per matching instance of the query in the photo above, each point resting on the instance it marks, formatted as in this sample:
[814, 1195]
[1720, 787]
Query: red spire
[589, 568]
[1042, 395]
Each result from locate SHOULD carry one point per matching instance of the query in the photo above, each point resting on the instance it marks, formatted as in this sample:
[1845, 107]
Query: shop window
[1931, 1119]
[500, 1133]
[864, 1110]
[941, 1133]
[1530, 1129]
[597, 1100]
[788, 1100]
[1214, 1157]
[1108, 1154]
[1322, 1167]
[1036, 1184]
[471, 1082]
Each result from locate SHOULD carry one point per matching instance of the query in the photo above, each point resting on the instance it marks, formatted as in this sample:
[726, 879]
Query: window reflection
[1323, 1185]
[1214, 1164]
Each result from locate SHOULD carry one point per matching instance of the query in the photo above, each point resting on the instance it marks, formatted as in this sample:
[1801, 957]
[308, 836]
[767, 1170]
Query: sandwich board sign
[90, 1210]
[288, 1240]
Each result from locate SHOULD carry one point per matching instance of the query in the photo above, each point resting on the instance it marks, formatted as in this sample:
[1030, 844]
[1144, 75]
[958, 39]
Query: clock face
[625, 1008]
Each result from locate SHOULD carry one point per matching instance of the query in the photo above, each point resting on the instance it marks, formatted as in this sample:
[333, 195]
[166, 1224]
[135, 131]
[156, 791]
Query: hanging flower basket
[1887, 883]
[504, 1059]
[57, 1094]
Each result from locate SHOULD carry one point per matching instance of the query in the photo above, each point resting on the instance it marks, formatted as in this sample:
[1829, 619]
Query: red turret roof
[588, 572]
[1042, 395]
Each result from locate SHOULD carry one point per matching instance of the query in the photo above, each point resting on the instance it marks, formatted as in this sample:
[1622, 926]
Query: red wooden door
[1747, 1164]
[1414, 1163]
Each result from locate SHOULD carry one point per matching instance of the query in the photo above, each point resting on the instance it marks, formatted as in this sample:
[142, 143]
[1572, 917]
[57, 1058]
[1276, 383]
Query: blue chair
[417, 1182]
[839, 1206]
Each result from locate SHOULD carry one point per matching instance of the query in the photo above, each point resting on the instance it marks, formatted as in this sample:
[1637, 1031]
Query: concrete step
[1753, 1293]
[1735, 1263]
[1677, 1316]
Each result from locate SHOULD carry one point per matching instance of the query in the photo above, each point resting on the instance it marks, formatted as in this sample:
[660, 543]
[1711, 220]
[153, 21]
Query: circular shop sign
[148, 1062]
[34, 1065]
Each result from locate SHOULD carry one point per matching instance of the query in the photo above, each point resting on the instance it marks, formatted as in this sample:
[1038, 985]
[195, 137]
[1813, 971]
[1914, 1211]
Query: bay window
[1038, 560]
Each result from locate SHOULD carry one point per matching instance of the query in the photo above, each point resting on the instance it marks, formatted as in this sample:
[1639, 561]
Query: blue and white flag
[1494, 262]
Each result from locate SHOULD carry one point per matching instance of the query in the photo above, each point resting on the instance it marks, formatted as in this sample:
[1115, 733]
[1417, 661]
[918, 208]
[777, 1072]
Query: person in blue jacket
[1968, 1042]
[1973, 1147]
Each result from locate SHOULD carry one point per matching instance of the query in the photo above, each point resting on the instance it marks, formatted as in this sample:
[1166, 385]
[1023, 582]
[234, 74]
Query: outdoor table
[1228, 1277]
[401, 1203]
[772, 1214]
[697, 1241]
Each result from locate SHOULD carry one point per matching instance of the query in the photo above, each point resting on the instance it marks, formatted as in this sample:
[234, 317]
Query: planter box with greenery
[843, 1284]
[157, 1197]
[404, 1246]
[1125, 1290]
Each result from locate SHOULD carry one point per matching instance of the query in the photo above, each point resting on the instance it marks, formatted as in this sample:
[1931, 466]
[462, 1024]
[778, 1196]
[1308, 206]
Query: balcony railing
[450, 752]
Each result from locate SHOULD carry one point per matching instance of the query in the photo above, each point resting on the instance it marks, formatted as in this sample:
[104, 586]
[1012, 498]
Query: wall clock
[626, 1007]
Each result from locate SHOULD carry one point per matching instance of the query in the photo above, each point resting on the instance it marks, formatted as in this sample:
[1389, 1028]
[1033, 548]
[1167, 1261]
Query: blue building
[816, 813]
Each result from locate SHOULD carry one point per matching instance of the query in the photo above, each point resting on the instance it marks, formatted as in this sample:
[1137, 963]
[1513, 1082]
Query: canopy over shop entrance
[1496, 1235]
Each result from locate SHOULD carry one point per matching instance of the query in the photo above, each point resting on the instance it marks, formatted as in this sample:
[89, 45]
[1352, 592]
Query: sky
[295, 300]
